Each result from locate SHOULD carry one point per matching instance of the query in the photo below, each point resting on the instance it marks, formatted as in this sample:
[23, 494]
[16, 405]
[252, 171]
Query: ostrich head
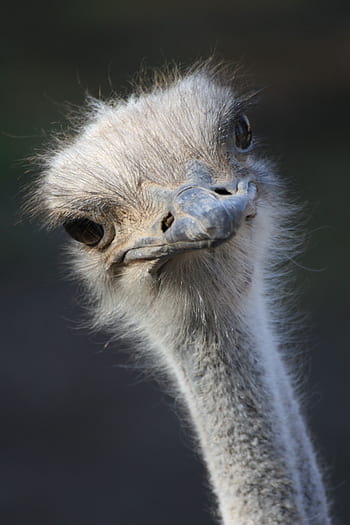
[167, 204]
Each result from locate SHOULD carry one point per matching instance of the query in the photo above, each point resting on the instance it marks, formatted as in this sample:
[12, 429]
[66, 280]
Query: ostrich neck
[238, 394]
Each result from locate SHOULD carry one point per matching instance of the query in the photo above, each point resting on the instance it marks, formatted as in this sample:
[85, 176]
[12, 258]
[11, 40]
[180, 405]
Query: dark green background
[84, 439]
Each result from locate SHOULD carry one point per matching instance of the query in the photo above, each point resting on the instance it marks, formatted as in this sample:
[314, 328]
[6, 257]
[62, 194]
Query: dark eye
[85, 231]
[243, 132]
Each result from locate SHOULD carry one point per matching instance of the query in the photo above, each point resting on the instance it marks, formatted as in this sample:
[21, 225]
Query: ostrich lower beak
[198, 218]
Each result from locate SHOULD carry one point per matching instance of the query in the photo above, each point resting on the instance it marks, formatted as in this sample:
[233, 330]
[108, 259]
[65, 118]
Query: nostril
[167, 222]
[222, 191]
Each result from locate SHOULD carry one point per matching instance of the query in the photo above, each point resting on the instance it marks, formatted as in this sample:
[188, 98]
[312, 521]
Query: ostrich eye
[243, 132]
[85, 231]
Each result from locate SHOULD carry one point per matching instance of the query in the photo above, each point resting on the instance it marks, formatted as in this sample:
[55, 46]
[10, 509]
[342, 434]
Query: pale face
[165, 179]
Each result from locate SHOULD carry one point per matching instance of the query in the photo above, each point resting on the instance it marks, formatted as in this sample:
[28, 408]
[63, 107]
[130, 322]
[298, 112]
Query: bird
[180, 230]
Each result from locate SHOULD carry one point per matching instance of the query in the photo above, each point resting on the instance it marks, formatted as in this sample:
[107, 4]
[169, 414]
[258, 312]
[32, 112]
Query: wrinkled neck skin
[239, 398]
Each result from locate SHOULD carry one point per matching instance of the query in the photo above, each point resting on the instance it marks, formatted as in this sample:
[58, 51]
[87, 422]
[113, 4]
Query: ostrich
[179, 230]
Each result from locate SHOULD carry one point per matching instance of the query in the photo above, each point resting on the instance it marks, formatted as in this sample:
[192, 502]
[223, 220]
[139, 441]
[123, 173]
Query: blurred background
[85, 439]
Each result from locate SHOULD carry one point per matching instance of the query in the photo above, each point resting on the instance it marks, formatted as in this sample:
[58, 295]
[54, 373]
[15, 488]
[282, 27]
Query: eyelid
[107, 231]
[227, 131]
[243, 133]
[85, 231]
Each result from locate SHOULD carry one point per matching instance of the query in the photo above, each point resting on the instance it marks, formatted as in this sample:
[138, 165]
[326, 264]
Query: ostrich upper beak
[197, 218]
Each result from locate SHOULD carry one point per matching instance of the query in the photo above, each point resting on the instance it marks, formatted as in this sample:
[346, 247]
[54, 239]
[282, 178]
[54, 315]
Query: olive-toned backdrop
[85, 439]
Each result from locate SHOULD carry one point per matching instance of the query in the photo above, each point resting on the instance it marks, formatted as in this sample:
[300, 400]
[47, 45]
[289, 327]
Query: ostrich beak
[198, 218]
